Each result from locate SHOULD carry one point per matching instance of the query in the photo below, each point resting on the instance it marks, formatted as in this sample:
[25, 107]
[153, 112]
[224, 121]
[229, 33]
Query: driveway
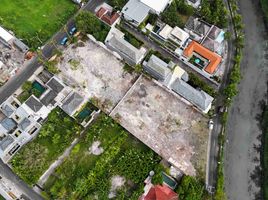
[241, 155]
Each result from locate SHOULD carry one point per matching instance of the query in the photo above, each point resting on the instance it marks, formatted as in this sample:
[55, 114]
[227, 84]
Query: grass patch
[55, 136]
[30, 88]
[84, 175]
[35, 21]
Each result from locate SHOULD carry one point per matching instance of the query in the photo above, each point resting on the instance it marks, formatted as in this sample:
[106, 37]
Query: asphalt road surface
[241, 155]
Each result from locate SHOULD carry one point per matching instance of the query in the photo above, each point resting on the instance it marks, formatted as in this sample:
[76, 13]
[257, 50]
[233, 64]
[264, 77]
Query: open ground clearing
[96, 73]
[166, 124]
[119, 170]
[35, 21]
[55, 136]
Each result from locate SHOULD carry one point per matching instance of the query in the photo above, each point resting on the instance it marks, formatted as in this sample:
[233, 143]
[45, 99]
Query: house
[202, 57]
[136, 11]
[17, 127]
[127, 51]
[72, 103]
[175, 35]
[157, 68]
[160, 192]
[199, 98]
[107, 16]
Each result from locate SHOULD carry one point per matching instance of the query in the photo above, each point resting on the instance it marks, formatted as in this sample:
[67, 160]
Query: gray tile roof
[5, 142]
[7, 110]
[135, 10]
[125, 49]
[34, 104]
[49, 98]
[8, 124]
[211, 44]
[157, 68]
[55, 85]
[197, 97]
[214, 32]
[72, 103]
[198, 26]
[24, 124]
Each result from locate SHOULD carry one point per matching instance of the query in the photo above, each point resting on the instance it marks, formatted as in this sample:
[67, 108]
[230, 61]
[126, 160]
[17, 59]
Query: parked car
[73, 31]
[64, 41]
[210, 124]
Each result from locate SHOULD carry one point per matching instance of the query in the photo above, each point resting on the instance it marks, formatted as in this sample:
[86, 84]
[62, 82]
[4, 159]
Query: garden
[35, 21]
[55, 136]
[107, 162]
[30, 88]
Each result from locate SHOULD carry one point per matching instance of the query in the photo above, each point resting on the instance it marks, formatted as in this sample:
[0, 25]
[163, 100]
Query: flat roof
[180, 34]
[158, 6]
[214, 59]
[165, 31]
[5, 34]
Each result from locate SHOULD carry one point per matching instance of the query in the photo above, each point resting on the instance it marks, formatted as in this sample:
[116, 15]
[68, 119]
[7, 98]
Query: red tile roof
[101, 12]
[214, 59]
[161, 193]
[110, 19]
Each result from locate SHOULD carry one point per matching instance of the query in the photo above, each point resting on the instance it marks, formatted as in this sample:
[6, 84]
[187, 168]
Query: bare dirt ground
[95, 73]
[242, 156]
[166, 124]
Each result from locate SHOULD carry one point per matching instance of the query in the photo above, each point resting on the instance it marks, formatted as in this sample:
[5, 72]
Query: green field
[55, 136]
[85, 175]
[35, 21]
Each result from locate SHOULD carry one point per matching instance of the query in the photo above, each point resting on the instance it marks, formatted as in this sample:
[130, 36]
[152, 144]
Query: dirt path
[241, 154]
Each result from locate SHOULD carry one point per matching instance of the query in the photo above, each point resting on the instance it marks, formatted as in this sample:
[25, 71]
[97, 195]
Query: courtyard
[165, 123]
[35, 21]
[96, 73]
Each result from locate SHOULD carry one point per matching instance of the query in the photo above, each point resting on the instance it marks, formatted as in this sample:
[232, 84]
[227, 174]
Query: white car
[210, 124]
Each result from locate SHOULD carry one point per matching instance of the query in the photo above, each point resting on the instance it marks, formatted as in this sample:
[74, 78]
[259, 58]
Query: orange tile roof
[161, 193]
[110, 19]
[101, 12]
[214, 59]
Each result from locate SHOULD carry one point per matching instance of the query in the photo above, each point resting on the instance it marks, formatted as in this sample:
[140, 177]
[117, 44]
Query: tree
[27, 86]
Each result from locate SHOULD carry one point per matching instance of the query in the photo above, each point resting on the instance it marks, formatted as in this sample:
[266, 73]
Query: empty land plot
[166, 124]
[35, 21]
[96, 73]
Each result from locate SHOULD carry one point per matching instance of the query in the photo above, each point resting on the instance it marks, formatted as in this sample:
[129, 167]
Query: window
[32, 131]
[17, 134]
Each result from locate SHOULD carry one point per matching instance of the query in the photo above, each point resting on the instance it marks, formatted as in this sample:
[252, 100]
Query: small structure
[20, 45]
[202, 57]
[109, 17]
[194, 3]
[5, 35]
[135, 11]
[157, 68]
[159, 192]
[116, 42]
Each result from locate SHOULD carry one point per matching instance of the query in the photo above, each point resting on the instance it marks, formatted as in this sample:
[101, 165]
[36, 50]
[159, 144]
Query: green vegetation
[29, 89]
[87, 23]
[2, 198]
[84, 175]
[55, 135]
[158, 54]
[191, 189]
[264, 159]
[117, 4]
[264, 5]
[177, 13]
[196, 82]
[214, 12]
[34, 21]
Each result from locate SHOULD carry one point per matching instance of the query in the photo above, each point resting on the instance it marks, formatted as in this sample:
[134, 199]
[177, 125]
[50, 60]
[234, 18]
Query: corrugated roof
[197, 97]
[214, 59]
[125, 48]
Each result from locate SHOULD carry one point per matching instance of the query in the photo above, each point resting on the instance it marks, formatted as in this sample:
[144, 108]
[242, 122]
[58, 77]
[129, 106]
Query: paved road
[241, 157]
[5, 171]
[213, 155]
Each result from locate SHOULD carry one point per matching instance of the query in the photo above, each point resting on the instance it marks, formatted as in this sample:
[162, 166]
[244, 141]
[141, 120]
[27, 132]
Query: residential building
[135, 11]
[175, 35]
[202, 57]
[199, 98]
[159, 192]
[17, 127]
[157, 68]
[116, 42]
[72, 103]
[107, 16]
